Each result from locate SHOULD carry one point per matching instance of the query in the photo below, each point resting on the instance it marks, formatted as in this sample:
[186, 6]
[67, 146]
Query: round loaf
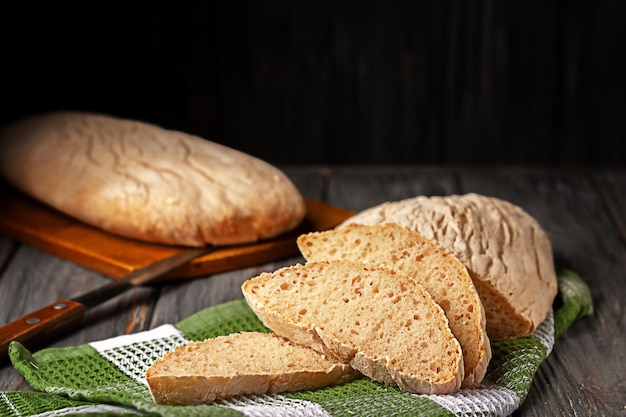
[141, 181]
[506, 251]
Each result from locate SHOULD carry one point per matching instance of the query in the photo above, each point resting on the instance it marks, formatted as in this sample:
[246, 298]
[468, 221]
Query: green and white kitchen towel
[107, 377]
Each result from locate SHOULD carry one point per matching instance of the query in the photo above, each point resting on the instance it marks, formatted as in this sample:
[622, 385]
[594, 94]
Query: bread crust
[506, 251]
[141, 181]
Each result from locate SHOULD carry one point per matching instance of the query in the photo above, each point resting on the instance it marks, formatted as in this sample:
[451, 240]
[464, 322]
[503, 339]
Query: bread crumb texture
[241, 364]
[379, 320]
[444, 277]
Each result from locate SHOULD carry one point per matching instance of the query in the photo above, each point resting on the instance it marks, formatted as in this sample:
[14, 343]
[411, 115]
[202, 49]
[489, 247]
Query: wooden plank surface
[582, 211]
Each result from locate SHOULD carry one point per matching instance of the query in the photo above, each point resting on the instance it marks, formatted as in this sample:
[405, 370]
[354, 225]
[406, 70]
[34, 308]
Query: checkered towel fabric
[106, 378]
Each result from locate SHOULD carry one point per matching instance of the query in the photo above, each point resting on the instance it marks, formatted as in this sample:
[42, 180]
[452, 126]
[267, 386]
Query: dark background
[337, 82]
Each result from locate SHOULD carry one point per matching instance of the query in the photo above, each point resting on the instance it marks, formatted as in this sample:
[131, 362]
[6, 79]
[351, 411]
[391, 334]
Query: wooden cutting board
[33, 223]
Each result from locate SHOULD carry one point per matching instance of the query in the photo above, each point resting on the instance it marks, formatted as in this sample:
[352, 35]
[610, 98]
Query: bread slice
[506, 251]
[240, 364]
[379, 320]
[442, 275]
[141, 181]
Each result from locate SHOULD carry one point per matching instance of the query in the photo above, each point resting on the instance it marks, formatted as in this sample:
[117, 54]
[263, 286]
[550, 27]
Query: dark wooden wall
[476, 82]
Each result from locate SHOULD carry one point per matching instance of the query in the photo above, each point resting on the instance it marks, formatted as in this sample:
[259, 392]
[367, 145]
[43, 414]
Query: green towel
[107, 377]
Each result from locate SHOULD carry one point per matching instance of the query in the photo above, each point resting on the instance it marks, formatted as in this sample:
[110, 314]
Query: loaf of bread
[240, 364]
[141, 181]
[435, 268]
[506, 251]
[379, 320]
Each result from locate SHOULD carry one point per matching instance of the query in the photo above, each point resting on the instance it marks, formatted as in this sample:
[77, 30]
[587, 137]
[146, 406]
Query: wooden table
[583, 210]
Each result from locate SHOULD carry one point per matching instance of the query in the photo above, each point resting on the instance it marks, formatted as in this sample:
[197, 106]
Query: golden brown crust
[141, 181]
[505, 250]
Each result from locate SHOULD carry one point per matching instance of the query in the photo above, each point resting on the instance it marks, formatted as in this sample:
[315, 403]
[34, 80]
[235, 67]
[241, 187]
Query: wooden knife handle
[34, 325]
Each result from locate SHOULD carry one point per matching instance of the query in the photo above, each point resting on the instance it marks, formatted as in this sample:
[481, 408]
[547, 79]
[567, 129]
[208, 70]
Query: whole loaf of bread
[506, 251]
[141, 181]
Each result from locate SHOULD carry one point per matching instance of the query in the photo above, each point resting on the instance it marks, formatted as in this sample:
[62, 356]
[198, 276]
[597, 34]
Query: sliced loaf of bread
[506, 251]
[379, 320]
[240, 364]
[441, 273]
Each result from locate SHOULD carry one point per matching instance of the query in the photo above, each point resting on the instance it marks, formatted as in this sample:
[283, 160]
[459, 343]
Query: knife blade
[63, 313]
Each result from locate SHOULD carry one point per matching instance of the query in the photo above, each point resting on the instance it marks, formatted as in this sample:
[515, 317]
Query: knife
[63, 313]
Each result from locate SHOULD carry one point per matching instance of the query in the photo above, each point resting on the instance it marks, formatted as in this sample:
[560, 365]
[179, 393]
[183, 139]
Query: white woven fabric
[134, 353]
[164, 331]
[276, 405]
[481, 401]
[88, 409]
